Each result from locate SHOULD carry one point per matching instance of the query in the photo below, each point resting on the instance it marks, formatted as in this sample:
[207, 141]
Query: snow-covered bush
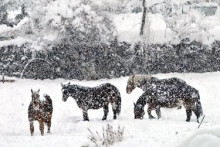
[107, 137]
[164, 8]
[9, 11]
[109, 61]
[119, 6]
[189, 25]
[75, 23]
[52, 22]
[81, 42]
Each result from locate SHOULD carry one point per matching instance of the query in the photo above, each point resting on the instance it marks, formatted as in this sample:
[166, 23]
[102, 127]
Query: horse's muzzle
[128, 90]
[64, 99]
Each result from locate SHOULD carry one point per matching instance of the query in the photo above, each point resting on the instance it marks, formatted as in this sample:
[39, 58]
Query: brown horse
[41, 111]
[168, 93]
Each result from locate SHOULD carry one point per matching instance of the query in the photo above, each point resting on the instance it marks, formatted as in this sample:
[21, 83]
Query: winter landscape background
[78, 40]
[90, 42]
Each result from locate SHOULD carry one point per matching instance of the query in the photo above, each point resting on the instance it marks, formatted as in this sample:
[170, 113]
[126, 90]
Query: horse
[41, 111]
[94, 98]
[168, 93]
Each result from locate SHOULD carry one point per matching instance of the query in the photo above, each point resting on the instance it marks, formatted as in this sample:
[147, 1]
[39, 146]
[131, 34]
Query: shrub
[108, 136]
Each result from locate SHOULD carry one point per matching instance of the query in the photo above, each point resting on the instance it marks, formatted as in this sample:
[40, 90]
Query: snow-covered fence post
[3, 77]
[3, 80]
[3, 74]
[30, 61]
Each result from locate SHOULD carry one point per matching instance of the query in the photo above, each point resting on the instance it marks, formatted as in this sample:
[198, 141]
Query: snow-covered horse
[168, 93]
[94, 98]
[41, 111]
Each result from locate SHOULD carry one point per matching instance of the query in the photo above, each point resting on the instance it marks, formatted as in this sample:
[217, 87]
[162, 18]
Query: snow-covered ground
[69, 129]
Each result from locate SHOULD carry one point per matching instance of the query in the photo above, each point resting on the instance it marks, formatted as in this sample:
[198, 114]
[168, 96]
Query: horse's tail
[199, 106]
[117, 101]
[49, 103]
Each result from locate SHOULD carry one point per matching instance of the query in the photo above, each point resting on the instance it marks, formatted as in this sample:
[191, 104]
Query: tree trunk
[143, 18]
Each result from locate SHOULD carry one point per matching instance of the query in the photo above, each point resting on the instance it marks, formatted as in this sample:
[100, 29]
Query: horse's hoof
[104, 119]
[151, 117]
[187, 119]
[114, 117]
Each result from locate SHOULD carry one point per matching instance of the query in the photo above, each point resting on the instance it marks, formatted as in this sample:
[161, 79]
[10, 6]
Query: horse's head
[130, 85]
[65, 91]
[138, 111]
[137, 81]
[35, 99]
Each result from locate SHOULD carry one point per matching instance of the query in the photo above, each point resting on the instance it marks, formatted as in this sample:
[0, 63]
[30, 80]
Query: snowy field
[69, 129]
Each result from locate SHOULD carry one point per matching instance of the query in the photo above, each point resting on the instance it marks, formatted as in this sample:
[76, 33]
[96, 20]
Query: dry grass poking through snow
[108, 136]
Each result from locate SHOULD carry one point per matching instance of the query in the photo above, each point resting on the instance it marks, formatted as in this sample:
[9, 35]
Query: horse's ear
[38, 90]
[134, 104]
[62, 85]
[69, 83]
[32, 91]
[132, 78]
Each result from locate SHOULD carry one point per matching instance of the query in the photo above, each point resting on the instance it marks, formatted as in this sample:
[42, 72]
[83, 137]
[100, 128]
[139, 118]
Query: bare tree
[145, 32]
[143, 17]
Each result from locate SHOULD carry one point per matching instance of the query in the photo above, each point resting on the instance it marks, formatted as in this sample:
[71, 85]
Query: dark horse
[168, 93]
[94, 98]
[41, 111]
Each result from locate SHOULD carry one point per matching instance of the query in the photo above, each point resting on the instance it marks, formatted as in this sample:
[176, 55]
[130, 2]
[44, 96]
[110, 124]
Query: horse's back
[108, 87]
[172, 81]
[172, 89]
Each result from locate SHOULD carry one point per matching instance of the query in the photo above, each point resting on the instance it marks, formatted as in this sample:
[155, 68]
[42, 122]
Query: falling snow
[46, 44]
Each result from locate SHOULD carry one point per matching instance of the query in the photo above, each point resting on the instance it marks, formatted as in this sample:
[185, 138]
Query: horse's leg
[85, 114]
[193, 108]
[158, 112]
[41, 125]
[188, 114]
[114, 111]
[106, 110]
[32, 127]
[149, 109]
[115, 114]
[188, 111]
[48, 123]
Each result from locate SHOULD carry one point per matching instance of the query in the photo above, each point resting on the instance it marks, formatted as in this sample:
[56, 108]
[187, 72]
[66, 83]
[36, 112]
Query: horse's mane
[75, 86]
[138, 78]
[85, 88]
